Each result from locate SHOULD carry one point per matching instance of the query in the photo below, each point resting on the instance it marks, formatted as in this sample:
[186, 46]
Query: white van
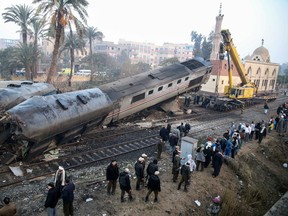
[83, 72]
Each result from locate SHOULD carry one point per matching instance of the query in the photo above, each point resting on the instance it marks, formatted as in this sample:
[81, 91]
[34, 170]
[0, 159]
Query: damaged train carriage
[35, 125]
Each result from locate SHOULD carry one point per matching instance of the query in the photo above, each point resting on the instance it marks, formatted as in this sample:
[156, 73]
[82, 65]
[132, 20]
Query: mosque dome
[261, 54]
[248, 57]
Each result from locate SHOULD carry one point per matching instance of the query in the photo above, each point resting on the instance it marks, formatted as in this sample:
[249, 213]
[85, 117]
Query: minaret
[217, 36]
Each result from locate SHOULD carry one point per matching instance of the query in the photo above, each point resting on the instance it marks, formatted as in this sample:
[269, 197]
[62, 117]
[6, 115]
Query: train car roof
[150, 79]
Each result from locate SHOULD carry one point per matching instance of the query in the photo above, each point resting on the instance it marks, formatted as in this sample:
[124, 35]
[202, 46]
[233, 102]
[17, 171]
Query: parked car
[20, 72]
[83, 72]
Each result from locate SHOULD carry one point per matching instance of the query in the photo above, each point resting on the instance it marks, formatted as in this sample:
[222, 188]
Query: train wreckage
[42, 122]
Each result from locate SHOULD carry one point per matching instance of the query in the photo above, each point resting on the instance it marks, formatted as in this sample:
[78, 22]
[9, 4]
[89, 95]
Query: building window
[150, 92]
[222, 82]
[169, 85]
[160, 88]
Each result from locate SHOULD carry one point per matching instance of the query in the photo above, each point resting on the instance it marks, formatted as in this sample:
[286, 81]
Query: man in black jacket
[68, 197]
[51, 199]
[139, 171]
[112, 174]
[152, 167]
[153, 185]
[125, 186]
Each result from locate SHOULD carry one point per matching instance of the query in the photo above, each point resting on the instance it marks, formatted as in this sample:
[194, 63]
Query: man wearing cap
[59, 180]
[9, 209]
[176, 166]
[153, 185]
[185, 172]
[112, 174]
[51, 199]
[139, 171]
[125, 186]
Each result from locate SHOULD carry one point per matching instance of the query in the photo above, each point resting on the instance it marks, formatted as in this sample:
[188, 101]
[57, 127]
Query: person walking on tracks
[112, 174]
[125, 186]
[154, 185]
[160, 145]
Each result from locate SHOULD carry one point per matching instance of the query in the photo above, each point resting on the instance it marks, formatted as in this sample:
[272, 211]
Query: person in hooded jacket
[154, 185]
[125, 186]
[112, 174]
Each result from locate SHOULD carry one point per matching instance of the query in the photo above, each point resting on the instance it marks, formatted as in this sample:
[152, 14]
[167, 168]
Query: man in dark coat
[139, 171]
[152, 168]
[217, 163]
[9, 209]
[185, 172]
[51, 199]
[68, 197]
[176, 166]
[160, 148]
[164, 134]
[173, 140]
[112, 174]
[125, 186]
[153, 185]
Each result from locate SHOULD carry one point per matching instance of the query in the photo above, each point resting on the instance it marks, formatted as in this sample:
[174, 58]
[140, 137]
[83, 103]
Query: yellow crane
[246, 90]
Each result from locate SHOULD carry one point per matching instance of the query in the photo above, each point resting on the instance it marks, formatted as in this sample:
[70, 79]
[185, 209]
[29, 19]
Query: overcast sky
[159, 21]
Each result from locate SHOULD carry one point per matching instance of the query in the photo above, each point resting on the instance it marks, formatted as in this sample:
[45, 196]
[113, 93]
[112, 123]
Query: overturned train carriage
[14, 94]
[42, 121]
[31, 127]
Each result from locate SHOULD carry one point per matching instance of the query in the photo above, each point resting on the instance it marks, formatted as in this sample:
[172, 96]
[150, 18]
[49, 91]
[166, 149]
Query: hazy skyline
[162, 21]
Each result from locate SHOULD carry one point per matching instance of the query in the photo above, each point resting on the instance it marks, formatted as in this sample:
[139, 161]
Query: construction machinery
[245, 90]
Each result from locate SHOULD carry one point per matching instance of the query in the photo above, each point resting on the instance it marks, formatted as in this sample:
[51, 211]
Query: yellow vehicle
[246, 90]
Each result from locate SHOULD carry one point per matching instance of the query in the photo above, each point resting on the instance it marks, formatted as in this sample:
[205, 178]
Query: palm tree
[22, 16]
[92, 34]
[26, 54]
[60, 13]
[72, 44]
[37, 31]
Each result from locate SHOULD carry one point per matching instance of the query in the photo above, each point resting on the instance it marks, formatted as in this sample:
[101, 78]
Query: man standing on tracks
[139, 171]
[160, 148]
[68, 197]
[51, 199]
[125, 186]
[112, 174]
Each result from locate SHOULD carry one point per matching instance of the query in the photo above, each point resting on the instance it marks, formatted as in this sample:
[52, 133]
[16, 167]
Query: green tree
[38, 30]
[169, 61]
[91, 34]
[60, 13]
[206, 47]
[21, 15]
[72, 44]
[26, 54]
[197, 39]
[7, 64]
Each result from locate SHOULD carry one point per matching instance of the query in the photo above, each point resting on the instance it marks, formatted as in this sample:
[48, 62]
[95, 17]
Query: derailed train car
[31, 127]
[15, 93]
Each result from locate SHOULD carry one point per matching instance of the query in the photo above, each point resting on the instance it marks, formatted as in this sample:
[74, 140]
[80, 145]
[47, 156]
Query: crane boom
[231, 50]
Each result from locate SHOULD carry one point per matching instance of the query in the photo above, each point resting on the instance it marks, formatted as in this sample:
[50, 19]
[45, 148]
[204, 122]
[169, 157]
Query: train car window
[82, 98]
[62, 103]
[170, 84]
[186, 78]
[150, 92]
[195, 81]
[179, 81]
[160, 88]
[138, 97]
